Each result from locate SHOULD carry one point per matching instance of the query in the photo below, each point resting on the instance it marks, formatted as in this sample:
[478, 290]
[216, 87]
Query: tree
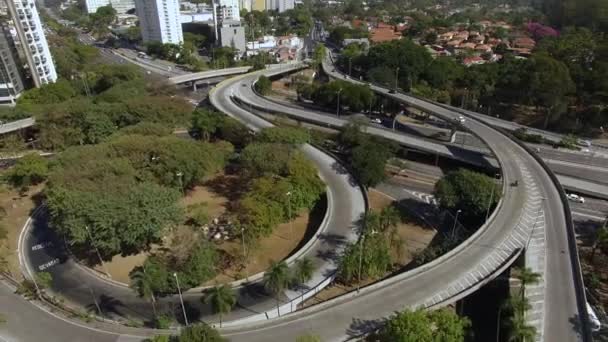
[519, 330]
[319, 55]
[468, 191]
[263, 85]
[143, 284]
[368, 162]
[222, 299]
[600, 241]
[419, 325]
[302, 273]
[549, 85]
[44, 280]
[206, 123]
[526, 276]
[200, 332]
[283, 135]
[30, 169]
[100, 21]
[276, 279]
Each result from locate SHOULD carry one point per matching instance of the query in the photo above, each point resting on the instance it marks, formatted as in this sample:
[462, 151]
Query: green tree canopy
[440, 325]
[31, 169]
[468, 191]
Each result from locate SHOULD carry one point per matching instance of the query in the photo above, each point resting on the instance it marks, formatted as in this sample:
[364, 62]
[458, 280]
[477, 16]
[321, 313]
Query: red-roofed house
[475, 60]
[524, 43]
[384, 33]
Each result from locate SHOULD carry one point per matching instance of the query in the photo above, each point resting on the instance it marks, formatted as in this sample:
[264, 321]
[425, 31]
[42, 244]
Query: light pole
[338, 106]
[244, 252]
[179, 175]
[97, 251]
[181, 299]
[396, 78]
[289, 214]
[360, 260]
[455, 221]
[491, 196]
[349, 65]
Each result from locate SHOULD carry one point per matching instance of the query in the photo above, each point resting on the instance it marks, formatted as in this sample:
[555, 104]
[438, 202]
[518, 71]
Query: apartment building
[32, 39]
[121, 6]
[160, 21]
[11, 81]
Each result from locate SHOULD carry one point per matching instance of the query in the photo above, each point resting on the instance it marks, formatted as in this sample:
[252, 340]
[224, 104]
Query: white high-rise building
[246, 4]
[31, 36]
[11, 82]
[228, 10]
[121, 6]
[159, 21]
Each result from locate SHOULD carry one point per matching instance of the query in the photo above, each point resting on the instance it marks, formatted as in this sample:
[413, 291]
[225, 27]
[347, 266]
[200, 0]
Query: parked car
[575, 198]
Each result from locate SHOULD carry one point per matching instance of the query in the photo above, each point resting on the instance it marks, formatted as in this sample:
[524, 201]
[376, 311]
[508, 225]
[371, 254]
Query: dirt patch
[18, 209]
[217, 195]
[415, 238]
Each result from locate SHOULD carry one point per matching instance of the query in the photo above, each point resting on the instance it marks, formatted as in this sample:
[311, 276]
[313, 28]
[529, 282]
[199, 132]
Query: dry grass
[18, 209]
[217, 194]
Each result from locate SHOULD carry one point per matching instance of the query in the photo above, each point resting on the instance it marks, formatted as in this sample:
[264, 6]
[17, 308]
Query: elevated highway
[576, 175]
[535, 205]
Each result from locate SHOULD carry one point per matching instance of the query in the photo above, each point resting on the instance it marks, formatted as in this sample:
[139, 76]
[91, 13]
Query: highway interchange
[353, 315]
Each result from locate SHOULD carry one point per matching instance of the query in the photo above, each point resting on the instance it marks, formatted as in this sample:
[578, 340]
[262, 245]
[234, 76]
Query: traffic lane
[28, 323]
[593, 209]
[45, 252]
[562, 320]
[584, 158]
[580, 172]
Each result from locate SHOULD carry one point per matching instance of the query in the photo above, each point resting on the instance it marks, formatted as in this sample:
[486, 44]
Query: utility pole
[454, 226]
[289, 214]
[97, 251]
[181, 299]
[338, 106]
[244, 252]
[396, 78]
[179, 175]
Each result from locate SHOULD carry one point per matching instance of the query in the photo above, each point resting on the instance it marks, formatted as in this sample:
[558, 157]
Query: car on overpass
[575, 198]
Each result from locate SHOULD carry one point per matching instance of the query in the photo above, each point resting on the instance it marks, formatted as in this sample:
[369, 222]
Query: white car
[575, 198]
[460, 119]
[375, 120]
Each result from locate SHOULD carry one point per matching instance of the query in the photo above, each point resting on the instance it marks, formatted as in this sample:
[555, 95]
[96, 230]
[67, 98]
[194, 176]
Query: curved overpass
[42, 251]
[536, 205]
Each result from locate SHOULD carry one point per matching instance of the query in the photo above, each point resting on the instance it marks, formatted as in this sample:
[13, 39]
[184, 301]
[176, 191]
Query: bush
[283, 135]
[29, 170]
[263, 85]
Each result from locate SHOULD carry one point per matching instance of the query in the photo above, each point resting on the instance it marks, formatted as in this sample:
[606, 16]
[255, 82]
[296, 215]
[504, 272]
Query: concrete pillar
[194, 86]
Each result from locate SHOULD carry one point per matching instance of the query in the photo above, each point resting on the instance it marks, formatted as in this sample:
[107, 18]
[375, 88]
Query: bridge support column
[452, 135]
[436, 160]
[194, 86]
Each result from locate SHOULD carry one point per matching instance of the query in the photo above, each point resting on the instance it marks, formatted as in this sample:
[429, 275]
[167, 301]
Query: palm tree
[141, 282]
[276, 280]
[519, 330]
[303, 273]
[526, 276]
[601, 239]
[222, 299]
[389, 218]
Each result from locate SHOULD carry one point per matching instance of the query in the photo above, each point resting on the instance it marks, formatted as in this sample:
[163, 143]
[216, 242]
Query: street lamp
[179, 175]
[289, 214]
[454, 226]
[338, 106]
[396, 78]
[491, 195]
[244, 252]
[97, 251]
[349, 65]
[181, 299]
